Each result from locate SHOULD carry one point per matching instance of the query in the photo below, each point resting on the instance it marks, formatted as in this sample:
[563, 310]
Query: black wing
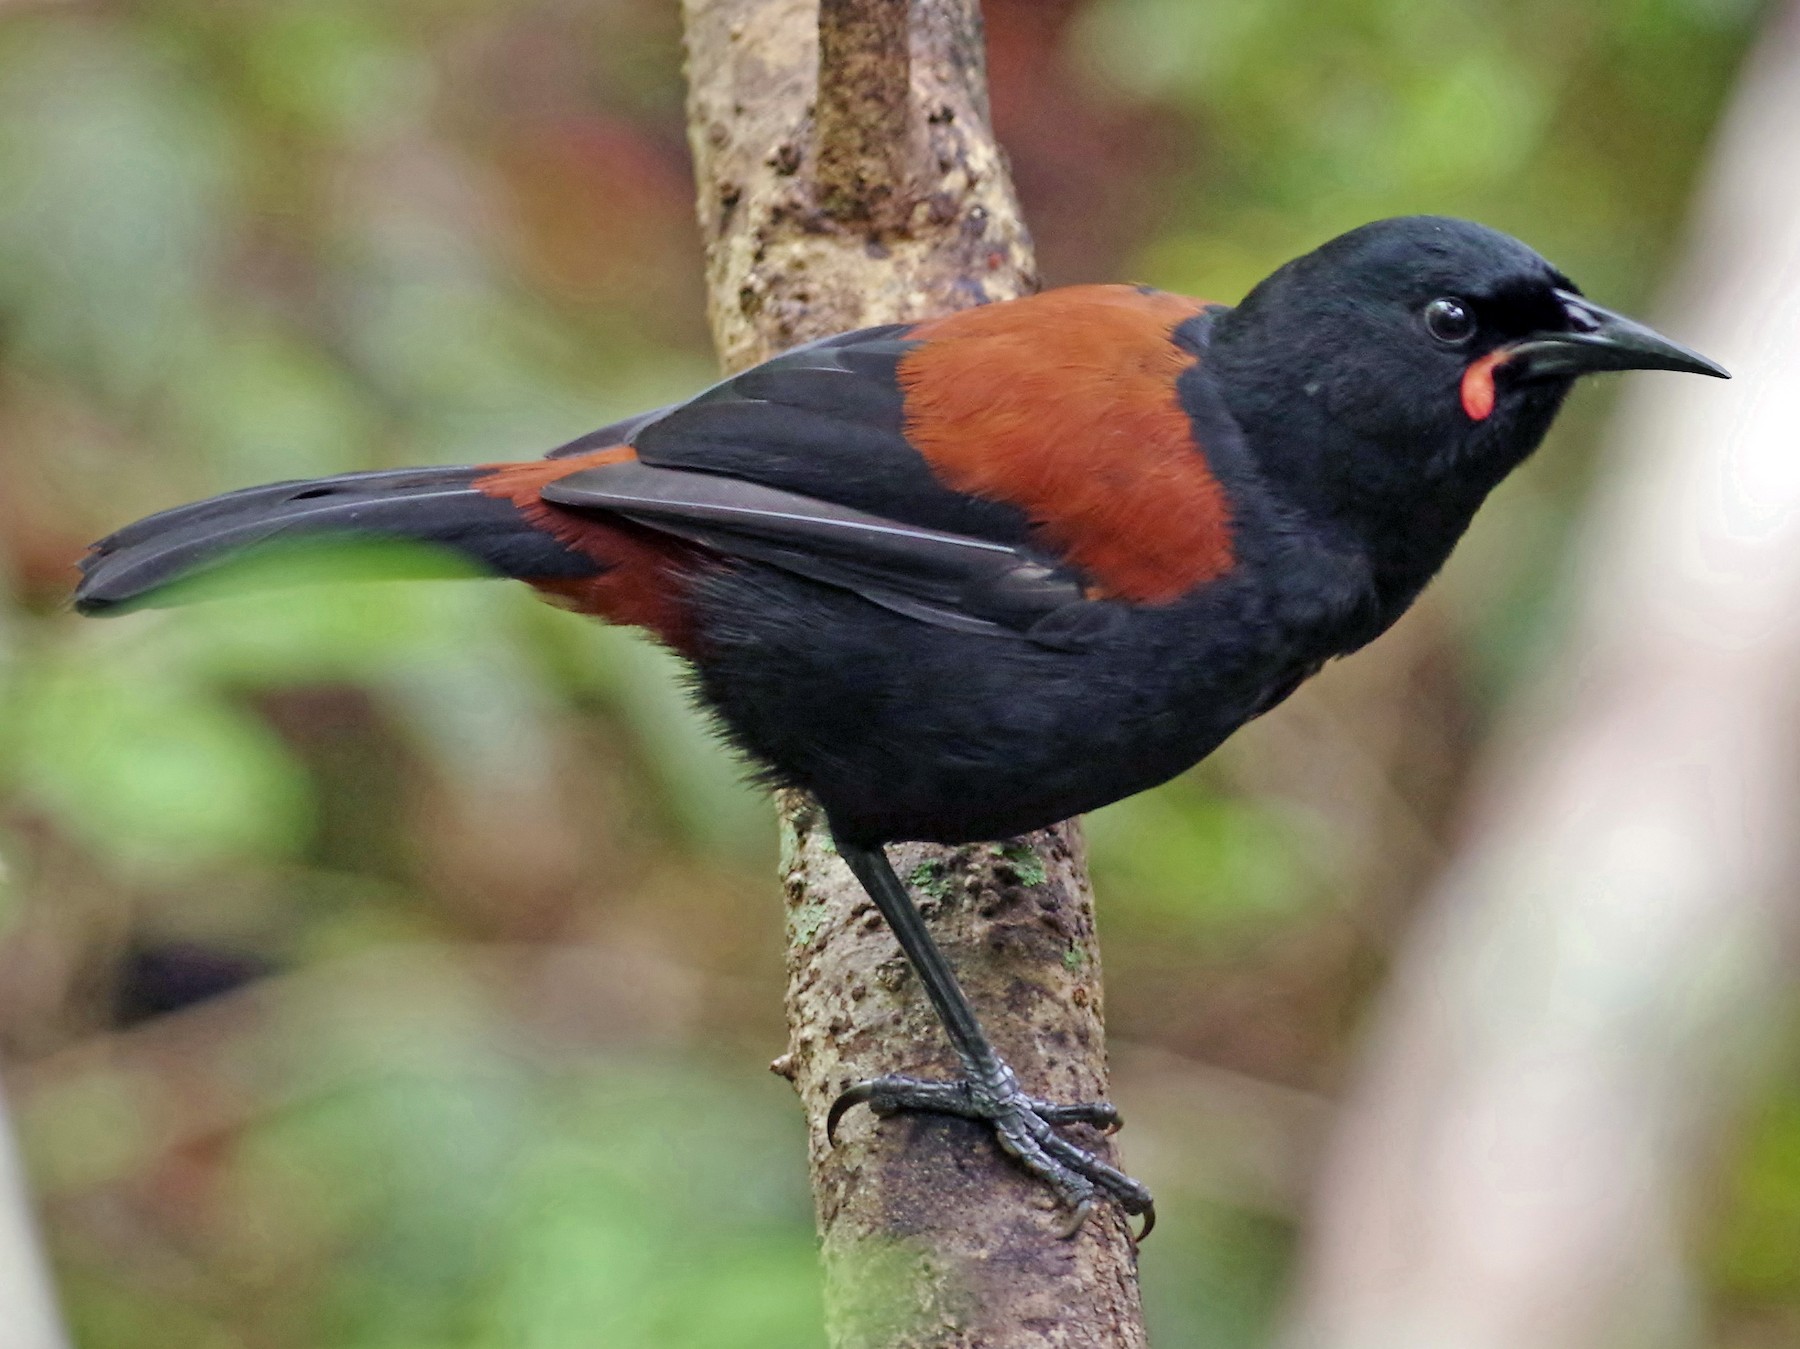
[953, 580]
[825, 420]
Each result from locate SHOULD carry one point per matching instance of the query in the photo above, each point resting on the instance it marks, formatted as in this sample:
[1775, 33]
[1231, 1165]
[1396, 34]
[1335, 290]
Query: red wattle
[1478, 386]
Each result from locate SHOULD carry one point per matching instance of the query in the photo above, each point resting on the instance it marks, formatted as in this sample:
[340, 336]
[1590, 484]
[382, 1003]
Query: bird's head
[1420, 355]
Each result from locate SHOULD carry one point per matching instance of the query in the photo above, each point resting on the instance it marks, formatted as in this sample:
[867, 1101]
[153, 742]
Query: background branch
[877, 209]
[29, 1317]
[1570, 1028]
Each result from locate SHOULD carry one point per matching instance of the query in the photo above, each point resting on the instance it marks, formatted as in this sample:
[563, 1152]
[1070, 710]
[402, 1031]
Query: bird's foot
[1024, 1127]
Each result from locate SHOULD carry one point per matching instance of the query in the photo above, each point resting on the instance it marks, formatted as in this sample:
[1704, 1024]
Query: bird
[962, 578]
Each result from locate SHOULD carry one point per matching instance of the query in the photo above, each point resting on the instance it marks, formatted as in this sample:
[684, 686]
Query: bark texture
[873, 192]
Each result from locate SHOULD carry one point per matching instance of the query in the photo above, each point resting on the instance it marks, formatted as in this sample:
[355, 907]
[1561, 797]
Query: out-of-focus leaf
[262, 408]
[1219, 1281]
[1758, 1255]
[335, 67]
[1183, 858]
[92, 1131]
[114, 162]
[708, 787]
[150, 774]
[495, 1204]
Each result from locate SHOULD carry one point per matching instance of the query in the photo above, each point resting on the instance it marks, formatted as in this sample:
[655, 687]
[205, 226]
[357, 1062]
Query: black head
[1404, 368]
[1441, 340]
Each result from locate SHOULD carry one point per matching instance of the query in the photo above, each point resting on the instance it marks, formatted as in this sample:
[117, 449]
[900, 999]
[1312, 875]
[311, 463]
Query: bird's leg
[989, 1091]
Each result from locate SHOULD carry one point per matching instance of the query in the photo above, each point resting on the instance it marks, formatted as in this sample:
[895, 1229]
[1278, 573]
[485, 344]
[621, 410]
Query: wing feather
[973, 584]
[984, 471]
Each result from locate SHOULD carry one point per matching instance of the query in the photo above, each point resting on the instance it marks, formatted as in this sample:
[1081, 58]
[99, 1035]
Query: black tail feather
[428, 505]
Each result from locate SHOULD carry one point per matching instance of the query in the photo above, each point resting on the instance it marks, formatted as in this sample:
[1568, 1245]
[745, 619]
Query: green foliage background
[260, 240]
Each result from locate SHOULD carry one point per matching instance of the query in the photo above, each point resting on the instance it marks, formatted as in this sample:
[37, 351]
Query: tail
[441, 506]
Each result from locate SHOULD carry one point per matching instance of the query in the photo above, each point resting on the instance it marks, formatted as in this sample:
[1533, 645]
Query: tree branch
[890, 201]
[865, 119]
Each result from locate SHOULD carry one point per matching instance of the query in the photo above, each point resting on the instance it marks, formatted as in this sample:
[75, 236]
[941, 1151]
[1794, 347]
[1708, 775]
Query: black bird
[963, 578]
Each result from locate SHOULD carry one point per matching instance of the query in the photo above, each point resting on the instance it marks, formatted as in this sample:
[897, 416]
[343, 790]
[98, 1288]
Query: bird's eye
[1450, 321]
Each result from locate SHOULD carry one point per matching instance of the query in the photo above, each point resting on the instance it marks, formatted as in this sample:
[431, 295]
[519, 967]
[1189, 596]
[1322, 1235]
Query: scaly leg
[989, 1090]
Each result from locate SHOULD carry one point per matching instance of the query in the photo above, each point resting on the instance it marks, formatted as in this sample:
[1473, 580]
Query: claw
[1024, 1128]
[1077, 1216]
[1103, 1115]
[853, 1096]
[1149, 1222]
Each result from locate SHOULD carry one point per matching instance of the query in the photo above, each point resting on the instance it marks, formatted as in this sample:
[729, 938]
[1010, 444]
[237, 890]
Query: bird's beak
[1598, 339]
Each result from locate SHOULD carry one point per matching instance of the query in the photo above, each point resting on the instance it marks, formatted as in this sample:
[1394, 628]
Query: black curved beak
[1598, 339]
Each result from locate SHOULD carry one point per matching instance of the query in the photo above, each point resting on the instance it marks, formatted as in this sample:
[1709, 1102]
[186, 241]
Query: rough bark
[830, 203]
[1571, 1027]
[865, 133]
[782, 264]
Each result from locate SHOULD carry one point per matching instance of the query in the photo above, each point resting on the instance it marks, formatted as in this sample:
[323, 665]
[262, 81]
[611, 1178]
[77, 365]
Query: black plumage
[964, 578]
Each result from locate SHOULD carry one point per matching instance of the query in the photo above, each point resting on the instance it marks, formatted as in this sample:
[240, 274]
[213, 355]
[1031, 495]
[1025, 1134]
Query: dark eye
[1450, 321]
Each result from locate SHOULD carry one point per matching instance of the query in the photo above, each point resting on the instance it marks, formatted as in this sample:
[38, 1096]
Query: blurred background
[394, 965]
